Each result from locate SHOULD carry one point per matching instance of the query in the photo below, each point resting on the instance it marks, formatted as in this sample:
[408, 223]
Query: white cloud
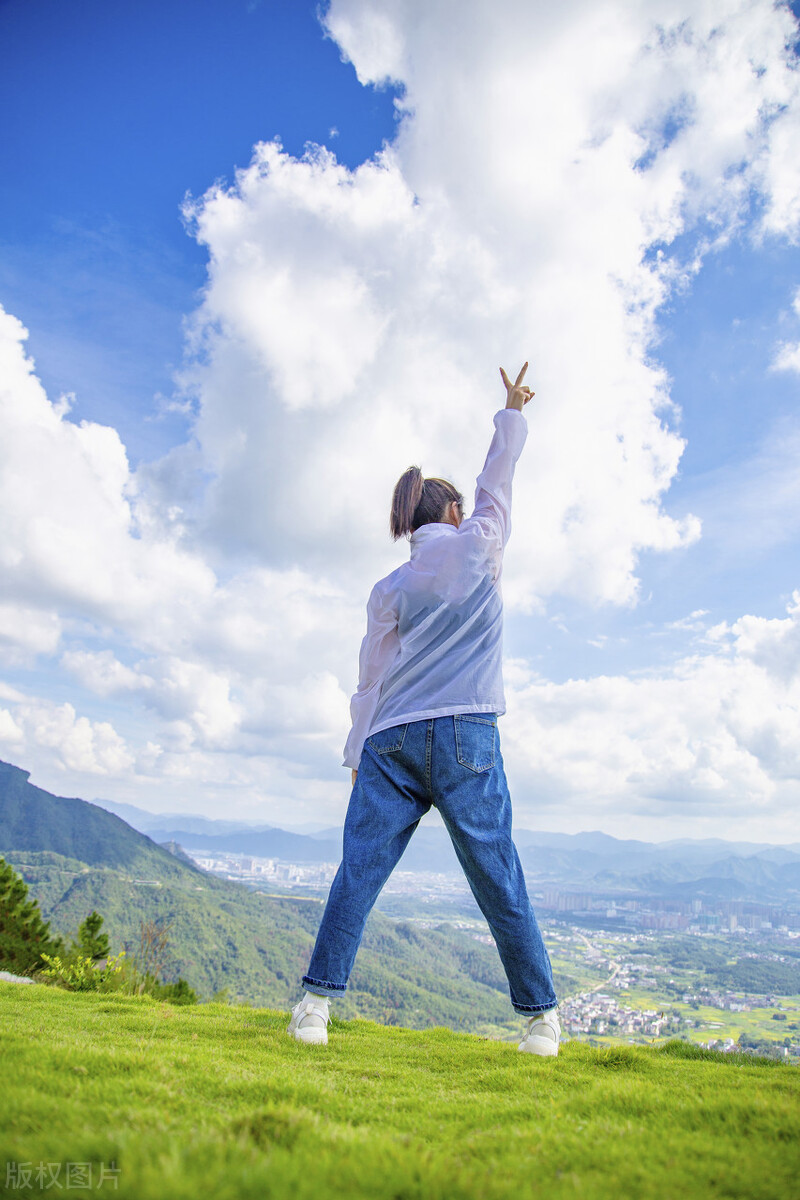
[710, 746]
[787, 354]
[353, 321]
[694, 623]
[10, 732]
[221, 664]
[27, 632]
[58, 737]
[102, 673]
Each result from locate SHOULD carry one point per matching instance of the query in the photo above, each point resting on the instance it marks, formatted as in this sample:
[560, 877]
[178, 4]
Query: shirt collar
[427, 533]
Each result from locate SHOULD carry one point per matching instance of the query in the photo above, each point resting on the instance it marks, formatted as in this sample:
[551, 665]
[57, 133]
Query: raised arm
[492, 510]
[378, 650]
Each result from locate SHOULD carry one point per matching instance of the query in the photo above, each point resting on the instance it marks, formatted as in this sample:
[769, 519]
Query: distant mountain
[233, 837]
[591, 861]
[149, 823]
[271, 843]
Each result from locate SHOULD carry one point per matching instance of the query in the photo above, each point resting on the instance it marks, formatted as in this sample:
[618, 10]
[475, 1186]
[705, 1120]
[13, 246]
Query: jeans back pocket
[385, 741]
[475, 740]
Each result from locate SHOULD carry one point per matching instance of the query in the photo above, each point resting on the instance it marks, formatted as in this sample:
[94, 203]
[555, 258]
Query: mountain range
[592, 861]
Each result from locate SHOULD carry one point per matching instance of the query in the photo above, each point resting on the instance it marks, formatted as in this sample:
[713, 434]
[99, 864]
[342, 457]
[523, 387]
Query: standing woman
[425, 732]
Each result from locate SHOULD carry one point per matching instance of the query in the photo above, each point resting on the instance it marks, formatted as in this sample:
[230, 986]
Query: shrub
[176, 993]
[78, 973]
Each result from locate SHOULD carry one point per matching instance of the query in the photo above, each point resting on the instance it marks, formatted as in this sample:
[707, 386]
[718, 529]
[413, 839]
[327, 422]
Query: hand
[517, 396]
[353, 773]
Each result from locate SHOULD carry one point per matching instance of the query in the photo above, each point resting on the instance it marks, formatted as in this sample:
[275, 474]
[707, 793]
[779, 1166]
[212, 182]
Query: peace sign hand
[517, 396]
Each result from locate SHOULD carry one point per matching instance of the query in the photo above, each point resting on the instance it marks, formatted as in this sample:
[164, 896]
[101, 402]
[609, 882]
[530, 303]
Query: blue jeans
[455, 764]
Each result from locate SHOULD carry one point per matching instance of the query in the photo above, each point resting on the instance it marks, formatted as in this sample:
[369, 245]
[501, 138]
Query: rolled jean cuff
[527, 1009]
[320, 987]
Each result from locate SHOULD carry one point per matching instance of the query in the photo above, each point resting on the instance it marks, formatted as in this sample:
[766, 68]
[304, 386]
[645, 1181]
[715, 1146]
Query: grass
[217, 1101]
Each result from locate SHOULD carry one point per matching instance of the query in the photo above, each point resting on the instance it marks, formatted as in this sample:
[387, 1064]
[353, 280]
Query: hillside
[216, 1101]
[34, 820]
[76, 857]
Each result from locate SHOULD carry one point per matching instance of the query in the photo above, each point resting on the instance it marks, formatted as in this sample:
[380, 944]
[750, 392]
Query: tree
[91, 942]
[24, 934]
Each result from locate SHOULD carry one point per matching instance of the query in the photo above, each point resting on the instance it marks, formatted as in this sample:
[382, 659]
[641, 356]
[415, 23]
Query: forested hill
[34, 820]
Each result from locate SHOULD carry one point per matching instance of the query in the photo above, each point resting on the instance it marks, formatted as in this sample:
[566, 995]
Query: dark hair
[417, 501]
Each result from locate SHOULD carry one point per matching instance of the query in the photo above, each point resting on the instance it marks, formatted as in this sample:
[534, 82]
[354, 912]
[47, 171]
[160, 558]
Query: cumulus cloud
[61, 738]
[223, 664]
[353, 320]
[710, 744]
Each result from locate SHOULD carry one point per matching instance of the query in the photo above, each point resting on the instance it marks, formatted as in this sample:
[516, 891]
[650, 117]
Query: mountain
[234, 837]
[270, 843]
[34, 820]
[77, 857]
[149, 822]
[589, 861]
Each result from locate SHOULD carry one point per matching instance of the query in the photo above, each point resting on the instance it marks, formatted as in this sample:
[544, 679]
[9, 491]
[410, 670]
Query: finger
[506, 380]
[521, 375]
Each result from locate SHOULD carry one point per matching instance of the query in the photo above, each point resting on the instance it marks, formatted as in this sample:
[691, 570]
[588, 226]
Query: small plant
[78, 973]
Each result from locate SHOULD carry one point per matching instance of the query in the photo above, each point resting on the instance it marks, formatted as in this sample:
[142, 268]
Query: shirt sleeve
[378, 650]
[492, 510]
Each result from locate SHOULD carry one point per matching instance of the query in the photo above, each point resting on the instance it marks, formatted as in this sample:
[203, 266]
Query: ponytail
[407, 495]
[417, 501]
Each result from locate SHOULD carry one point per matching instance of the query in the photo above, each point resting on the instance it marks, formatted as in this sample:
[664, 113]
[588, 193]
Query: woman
[424, 731]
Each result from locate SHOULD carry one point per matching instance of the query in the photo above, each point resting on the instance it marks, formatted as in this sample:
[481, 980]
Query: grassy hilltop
[217, 1101]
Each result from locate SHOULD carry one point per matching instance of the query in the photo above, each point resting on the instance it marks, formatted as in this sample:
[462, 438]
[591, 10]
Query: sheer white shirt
[434, 640]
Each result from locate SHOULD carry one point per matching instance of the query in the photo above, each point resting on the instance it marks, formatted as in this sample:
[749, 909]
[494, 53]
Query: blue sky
[252, 359]
[118, 110]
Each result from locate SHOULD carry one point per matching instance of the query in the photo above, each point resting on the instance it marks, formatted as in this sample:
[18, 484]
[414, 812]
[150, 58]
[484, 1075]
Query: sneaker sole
[539, 1045]
[311, 1037]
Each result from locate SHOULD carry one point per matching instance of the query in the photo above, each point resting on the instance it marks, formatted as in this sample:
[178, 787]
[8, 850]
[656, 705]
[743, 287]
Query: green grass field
[217, 1101]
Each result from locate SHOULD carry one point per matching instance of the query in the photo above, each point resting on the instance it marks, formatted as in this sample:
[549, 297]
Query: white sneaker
[309, 1021]
[543, 1034]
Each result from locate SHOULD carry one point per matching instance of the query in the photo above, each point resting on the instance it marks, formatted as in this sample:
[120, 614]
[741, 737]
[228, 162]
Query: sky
[257, 257]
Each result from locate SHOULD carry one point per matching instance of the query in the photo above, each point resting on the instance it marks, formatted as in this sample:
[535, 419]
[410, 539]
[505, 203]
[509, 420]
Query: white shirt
[434, 640]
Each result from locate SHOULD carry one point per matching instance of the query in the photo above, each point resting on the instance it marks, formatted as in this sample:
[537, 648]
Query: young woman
[424, 731]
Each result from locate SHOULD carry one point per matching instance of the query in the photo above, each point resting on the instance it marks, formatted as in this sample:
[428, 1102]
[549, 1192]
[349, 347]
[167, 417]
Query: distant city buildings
[642, 911]
[614, 910]
[244, 868]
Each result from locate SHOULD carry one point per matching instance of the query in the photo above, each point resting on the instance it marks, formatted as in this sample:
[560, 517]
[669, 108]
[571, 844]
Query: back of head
[418, 501]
